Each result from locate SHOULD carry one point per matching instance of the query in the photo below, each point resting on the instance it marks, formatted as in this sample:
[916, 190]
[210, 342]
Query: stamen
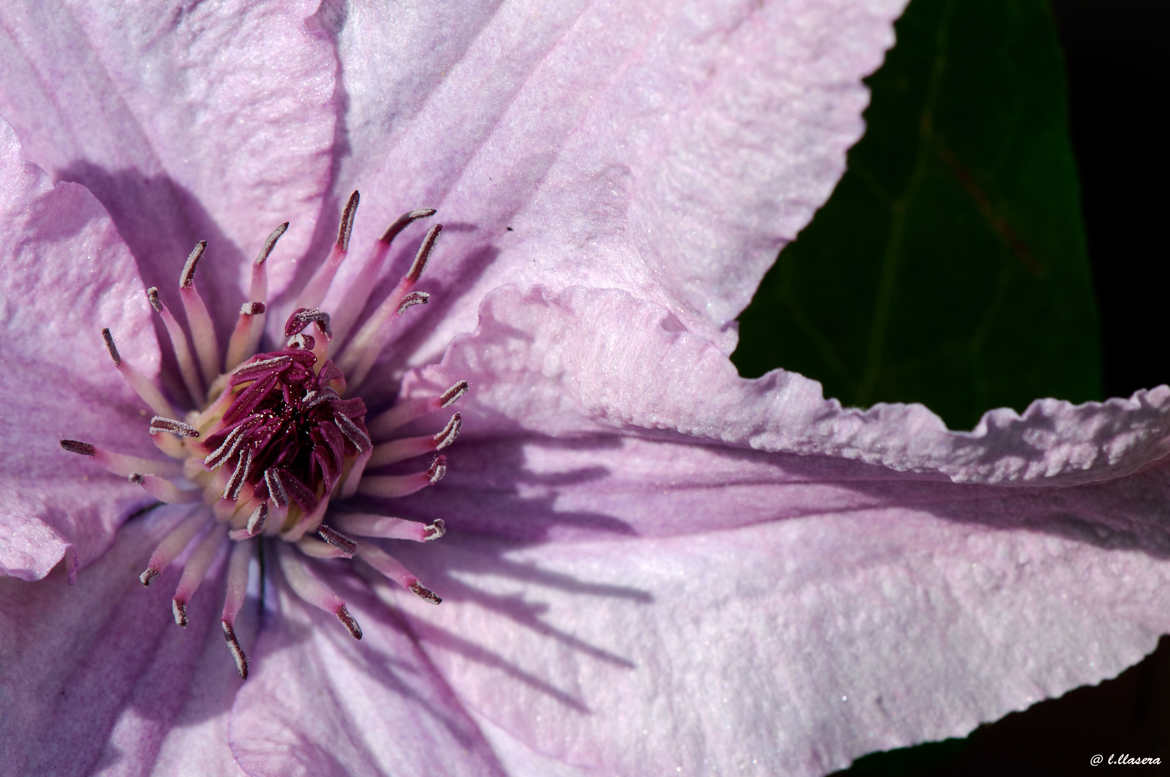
[233, 600]
[409, 447]
[408, 410]
[259, 286]
[172, 545]
[142, 386]
[194, 572]
[198, 319]
[314, 591]
[120, 463]
[246, 335]
[389, 528]
[164, 490]
[315, 290]
[178, 340]
[361, 353]
[357, 293]
[393, 569]
[392, 486]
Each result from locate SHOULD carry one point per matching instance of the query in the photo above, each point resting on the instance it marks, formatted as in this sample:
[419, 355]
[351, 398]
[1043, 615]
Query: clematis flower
[651, 565]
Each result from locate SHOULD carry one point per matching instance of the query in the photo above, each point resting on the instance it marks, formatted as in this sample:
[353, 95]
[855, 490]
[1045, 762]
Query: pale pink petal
[808, 610]
[96, 677]
[66, 274]
[323, 704]
[787, 647]
[666, 149]
[180, 118]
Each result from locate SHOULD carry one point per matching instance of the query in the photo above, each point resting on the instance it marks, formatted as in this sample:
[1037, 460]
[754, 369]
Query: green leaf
[949, 266]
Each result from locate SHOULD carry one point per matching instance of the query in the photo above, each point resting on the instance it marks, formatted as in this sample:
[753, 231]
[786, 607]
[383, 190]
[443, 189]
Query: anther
[179, 609]
[412, 299]
[346, 226]
[425, 593]
[301, 319]
[178, 428]
[229, 635]
[113, 349]
[449, 433]
[78, 447]
[435, 529]
[236, 482]
[269, 244]
[187, 277]
[256, 519]
[424, 253]
[451, 395]
[403, 221]
[348, 621]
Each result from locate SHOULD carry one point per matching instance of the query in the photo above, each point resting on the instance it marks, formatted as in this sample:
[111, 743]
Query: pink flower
[651, 565]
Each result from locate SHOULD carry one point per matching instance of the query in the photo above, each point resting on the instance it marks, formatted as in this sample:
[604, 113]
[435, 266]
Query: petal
[787, 647]
[669, 150]
[181, 121]
[588, 361]
[322, 703]
[66, 274]
[104, 680]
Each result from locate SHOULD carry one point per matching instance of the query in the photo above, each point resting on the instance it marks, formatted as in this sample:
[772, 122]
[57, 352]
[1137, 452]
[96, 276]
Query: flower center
[273, 447]
[280, 436]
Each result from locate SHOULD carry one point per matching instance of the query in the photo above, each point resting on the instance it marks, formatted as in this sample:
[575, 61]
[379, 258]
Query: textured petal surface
[97, 678]
[665, 149]
[790, 646]
[595, 360]
[730, 610]
[179, 117]
[321, 703]
[66, 273]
